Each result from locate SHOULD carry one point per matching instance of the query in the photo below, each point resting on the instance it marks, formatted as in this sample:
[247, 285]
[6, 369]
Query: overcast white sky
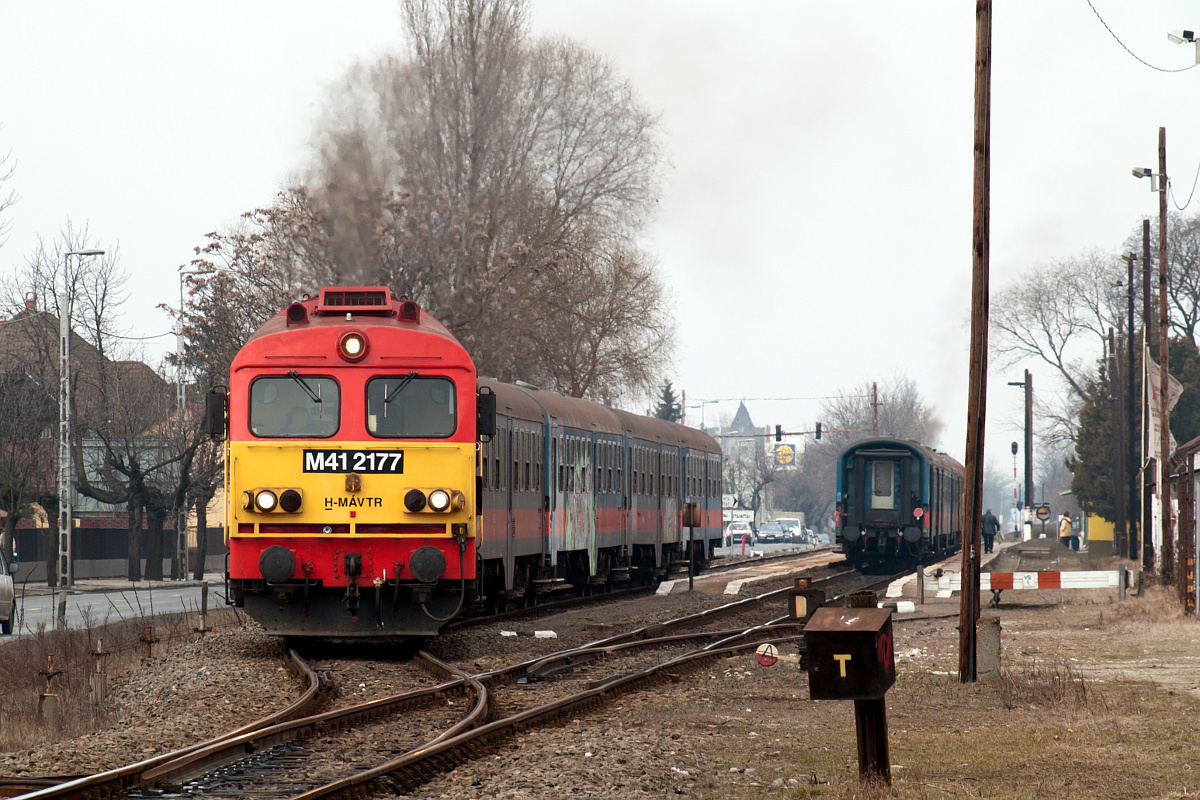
[816, 218]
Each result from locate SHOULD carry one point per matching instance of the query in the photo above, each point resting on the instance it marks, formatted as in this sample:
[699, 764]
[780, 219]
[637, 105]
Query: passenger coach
[897, 500]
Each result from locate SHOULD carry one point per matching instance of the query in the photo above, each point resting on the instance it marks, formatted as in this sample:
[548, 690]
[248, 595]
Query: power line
[1125, 47]
[1171, 189]
[759, 399]
[139, 338]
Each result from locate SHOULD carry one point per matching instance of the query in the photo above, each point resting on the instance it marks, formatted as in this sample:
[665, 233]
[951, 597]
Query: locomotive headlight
[414, 500]
[352, 346]
[289, 501]
[439, 500]
[265, 500]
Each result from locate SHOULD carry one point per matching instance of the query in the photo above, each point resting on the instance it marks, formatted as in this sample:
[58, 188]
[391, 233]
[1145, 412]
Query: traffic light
[779, 433]
[818, 430]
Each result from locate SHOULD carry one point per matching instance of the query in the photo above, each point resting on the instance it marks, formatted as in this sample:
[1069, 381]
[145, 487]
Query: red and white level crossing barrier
[1084, 579]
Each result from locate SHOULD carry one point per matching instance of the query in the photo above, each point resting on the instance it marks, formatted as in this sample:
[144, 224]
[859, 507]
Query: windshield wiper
[294, 375]
[392, 395]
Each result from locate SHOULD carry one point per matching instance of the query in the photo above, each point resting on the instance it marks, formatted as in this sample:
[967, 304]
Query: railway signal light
[818, 430]
[779, 433]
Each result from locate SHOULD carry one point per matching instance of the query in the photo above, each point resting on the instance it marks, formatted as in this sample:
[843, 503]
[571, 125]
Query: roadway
[95, 602]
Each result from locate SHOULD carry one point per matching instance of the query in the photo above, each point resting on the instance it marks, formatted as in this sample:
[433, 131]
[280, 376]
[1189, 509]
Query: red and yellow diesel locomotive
[373, 486]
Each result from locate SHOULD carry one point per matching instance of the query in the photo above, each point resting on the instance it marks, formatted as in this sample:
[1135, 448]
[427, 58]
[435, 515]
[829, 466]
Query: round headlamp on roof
[352, 346]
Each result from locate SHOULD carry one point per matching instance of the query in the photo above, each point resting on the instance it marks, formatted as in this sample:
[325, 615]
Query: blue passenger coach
[897, 500]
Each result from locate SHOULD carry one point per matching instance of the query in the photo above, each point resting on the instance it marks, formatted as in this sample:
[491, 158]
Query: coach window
[411, 407]
[294, 406]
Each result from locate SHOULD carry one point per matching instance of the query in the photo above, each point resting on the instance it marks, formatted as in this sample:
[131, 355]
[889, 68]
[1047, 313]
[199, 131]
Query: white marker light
[265, 501]
[439, 500]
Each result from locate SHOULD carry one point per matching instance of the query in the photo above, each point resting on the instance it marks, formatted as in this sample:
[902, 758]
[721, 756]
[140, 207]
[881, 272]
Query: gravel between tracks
[201, 688]
[204, 688]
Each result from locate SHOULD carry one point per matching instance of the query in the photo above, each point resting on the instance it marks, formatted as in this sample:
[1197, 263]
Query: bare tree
[601, 328]
[749, 470]
[27, 417]
[1060, 313]
[490, 176]
[128, 447]
[8, 168]
[1183, 274]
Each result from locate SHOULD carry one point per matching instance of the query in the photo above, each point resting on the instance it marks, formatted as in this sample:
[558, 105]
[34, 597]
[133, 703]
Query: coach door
[883, 484]
[502, 447]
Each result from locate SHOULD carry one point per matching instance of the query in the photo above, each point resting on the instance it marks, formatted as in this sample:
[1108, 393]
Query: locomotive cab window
[411, 407]
[300, 406]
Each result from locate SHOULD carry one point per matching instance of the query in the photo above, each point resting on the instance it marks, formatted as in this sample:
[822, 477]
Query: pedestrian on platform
[1064, 530]
[990, 526]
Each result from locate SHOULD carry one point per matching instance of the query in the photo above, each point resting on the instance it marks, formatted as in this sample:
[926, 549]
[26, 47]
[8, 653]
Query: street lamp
[1027, 384]
[181, 549]
[66, 519]
[1181, 37]
[701, 406]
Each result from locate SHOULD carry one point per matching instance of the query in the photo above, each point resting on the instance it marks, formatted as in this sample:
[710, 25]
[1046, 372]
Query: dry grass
[73, 652]
[1098, 700]
[1057, 685]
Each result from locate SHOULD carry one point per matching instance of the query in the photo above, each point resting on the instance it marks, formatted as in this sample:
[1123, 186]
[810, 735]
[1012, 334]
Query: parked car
[772, 532]
[791, 527]
[8, 597]
[734, 532]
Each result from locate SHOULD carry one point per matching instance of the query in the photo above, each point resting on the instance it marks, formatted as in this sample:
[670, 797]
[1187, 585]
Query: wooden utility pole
[977, 391]
[874, 409]
[1029, 491]
[1164, 361]
[1117, 411]
[1147, 474]
[1131, 450]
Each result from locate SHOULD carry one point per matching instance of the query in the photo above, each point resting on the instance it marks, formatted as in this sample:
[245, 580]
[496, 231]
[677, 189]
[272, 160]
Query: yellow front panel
[379, 501]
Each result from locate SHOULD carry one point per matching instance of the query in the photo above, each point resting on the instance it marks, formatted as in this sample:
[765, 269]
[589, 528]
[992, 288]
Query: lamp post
[701, 406]
[181, 546]
[66, 520]
[1027, 384]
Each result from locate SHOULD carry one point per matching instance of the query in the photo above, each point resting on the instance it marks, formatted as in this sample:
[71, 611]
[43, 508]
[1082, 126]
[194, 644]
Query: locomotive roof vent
[374, 300]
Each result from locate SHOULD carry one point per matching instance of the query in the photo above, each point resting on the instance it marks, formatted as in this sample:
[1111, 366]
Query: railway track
[273, 757]
[554, 606]
[128, 777]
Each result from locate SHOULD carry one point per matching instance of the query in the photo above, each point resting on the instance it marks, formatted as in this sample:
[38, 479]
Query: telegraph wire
[1125, 47]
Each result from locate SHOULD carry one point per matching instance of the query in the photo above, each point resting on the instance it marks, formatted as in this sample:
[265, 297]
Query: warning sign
[767, 655]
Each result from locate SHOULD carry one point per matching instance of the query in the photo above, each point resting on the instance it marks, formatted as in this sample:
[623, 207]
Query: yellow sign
[785, 454]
